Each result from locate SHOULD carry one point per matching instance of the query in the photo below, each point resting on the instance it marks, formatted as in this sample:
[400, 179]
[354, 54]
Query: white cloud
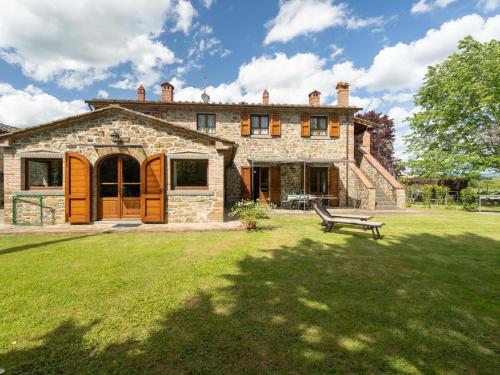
[102, 94]
[403, 66]
[303, 17]
[488, 5]
[185, 15]
[77, 42]
[400, 114]
[208, 3]
[30, 106]
[336, 51]
[400, 97]
[367, 103]
[424, 6]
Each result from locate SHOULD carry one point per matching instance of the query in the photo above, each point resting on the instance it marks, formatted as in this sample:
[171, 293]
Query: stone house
[3, 130]
[173, 161]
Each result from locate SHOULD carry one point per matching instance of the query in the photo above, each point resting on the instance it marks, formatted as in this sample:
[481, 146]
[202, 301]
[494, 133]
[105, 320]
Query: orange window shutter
[245, 182]
[276, 125]
[153, 189]
[305, 126]
[333, 188]
[245, 124]
[334, 126]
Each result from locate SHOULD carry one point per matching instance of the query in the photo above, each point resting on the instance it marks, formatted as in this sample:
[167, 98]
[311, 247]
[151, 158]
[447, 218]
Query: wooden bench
[330, 221]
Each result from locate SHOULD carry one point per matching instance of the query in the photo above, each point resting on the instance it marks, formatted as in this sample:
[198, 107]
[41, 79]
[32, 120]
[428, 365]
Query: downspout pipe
[347, 162]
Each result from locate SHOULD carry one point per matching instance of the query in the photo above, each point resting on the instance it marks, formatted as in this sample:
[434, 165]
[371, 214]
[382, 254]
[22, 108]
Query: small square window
[43, 173]
[319, 125]
[205, 123]
[260, 124]
[189, 174]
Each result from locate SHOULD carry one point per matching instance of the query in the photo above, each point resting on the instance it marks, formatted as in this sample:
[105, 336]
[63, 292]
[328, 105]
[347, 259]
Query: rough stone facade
[1, 178]
[289, 145]
[144, 138]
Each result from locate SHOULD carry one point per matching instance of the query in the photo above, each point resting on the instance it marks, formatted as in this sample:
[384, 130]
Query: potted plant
[249, 212]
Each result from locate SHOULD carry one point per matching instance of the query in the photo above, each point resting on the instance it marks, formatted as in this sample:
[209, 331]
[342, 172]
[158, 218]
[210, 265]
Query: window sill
[44, 192]
[318, 137]
[261, 136]
[190, 192]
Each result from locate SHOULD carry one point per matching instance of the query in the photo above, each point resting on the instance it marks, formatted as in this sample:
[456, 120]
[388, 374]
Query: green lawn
[287, 299]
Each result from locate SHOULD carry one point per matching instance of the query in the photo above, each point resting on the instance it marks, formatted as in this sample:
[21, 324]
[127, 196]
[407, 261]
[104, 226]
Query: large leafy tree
[382, 140]
[456, 132]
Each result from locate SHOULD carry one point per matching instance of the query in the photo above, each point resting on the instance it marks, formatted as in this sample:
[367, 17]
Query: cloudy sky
[56, 53]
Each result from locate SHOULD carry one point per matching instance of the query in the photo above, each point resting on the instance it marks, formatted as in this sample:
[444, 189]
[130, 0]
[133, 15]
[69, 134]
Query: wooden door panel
[153, 189]
[131, 207]
[77, 172]
[333, 188]
[109, 208]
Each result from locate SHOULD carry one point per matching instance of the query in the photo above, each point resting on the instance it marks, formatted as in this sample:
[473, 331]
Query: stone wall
[381, 178]
[144, 137]
[290, 145]
[28, 210]
[361, 191]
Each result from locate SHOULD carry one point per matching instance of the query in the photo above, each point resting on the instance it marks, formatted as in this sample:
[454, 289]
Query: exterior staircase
[383, 202]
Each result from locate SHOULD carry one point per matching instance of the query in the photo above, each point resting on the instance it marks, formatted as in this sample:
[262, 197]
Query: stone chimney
[265, 97]
[314, 98]
[343, 94]
[167, 92]
[141, 93]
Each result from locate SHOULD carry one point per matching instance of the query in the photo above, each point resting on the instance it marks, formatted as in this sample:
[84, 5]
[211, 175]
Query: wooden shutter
[153, 189]
[305, 125]
[77, 188]
[308, 179]
[276, 124]
[275, 185]
[333, 188]
[334, 125]
[245, 124]
[245, 182]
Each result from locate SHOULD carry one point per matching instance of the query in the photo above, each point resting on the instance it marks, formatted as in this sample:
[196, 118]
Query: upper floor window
[43, 173]
[319, 125]
[260, 124]
[205, 123]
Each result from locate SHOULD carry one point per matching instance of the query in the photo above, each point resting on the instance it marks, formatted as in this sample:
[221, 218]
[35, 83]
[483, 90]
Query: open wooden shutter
[334, 125]
[153, 189]
[333, 188]
[245, 124]
[308, 179]
[275, 185]
[77, 188]
[305, 125]
[245, 182]
[275, 124]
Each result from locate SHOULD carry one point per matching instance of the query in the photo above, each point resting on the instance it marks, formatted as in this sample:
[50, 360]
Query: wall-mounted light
[115, 137]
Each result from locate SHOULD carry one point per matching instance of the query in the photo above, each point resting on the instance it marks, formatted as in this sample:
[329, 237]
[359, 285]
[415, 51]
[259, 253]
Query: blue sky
[54, 54]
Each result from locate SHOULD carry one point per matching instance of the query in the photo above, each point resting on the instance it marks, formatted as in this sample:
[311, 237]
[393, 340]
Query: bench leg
[378, 234]
[328, 227]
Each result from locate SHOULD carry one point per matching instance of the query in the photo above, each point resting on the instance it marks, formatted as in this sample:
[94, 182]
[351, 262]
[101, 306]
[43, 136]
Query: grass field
[287, 299]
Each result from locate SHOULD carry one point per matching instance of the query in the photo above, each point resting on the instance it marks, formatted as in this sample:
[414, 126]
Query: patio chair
[331, 221]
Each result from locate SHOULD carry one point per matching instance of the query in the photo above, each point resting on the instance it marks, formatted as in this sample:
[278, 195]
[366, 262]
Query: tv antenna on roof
[204, 96]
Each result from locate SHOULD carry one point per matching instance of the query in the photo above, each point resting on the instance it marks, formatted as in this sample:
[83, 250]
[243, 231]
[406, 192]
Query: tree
[382, 140]
[456, 133]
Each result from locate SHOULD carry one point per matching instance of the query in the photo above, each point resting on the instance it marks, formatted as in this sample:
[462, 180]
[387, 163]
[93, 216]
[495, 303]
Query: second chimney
[265, 97]
[167, 92]
[141, 93]
[343, 94]
[314, 98]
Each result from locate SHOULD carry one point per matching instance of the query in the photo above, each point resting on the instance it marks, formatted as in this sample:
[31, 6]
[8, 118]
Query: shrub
[249, 212]
[427, 194]
[469, 199]
[441, 193]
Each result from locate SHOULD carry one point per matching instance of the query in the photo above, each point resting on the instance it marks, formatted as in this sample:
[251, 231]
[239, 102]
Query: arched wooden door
[153, 189]
[77, 188]
[119, 178]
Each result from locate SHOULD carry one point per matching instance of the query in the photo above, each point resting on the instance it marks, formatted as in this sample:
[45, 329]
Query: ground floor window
[44, 173]
[189, 174]
[319, 180]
